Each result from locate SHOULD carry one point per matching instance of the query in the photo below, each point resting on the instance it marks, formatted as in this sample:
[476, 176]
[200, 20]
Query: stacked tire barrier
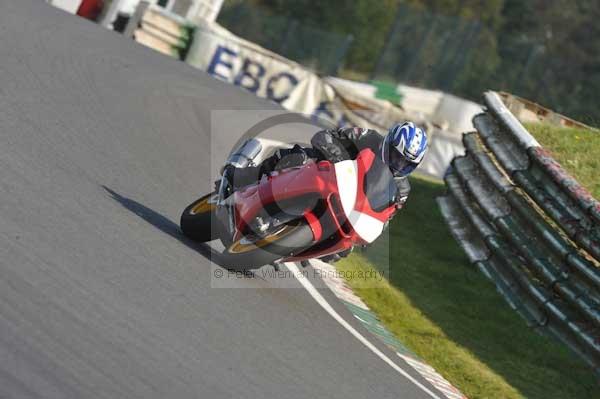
[529, 227]
[161, 30]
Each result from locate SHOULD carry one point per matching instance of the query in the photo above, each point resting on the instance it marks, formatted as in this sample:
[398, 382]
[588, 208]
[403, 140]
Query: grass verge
[449, 314]
[575, 149]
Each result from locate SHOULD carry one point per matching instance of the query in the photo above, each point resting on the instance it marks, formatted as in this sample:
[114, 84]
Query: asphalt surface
[102, 143]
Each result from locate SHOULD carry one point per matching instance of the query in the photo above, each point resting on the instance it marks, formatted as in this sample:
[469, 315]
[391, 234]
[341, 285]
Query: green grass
[577, 150]
[448, 313]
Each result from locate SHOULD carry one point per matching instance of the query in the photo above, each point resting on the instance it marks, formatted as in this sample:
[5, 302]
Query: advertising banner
[264, 73]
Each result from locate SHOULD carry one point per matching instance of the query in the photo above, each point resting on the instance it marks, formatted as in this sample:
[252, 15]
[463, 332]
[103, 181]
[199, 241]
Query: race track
[102, 144]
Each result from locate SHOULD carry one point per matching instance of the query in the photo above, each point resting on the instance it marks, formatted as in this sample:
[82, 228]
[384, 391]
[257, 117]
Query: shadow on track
[164, 224]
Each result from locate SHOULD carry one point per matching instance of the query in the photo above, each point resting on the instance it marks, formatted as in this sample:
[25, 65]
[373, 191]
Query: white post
[136, 18]
[169, 5]
[207, 10]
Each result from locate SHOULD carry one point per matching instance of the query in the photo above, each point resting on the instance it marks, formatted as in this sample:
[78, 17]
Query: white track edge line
[329, 309]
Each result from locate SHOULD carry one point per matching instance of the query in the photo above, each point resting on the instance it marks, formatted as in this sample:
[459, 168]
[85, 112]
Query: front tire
[289, 240]
[199, 221]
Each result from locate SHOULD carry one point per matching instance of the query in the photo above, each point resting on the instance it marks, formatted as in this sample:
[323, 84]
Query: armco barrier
[529, 227]
[528, 111]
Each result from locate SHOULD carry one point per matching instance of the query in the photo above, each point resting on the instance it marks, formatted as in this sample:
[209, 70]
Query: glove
[289, 158]
[328, 147]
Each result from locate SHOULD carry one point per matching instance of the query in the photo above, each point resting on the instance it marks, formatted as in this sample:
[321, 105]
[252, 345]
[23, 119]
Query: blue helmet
[404, 147]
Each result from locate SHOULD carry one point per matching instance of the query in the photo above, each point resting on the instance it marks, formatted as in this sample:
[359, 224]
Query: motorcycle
[314, 210]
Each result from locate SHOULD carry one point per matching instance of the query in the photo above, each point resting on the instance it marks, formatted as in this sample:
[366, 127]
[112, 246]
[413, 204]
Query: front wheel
[199, 221]
[288, 240]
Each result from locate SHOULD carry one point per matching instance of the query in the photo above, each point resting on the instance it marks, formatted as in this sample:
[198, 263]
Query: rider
[401, 150]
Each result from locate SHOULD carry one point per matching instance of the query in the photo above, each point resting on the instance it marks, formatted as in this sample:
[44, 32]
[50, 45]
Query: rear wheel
[251, 253]
[198, 220]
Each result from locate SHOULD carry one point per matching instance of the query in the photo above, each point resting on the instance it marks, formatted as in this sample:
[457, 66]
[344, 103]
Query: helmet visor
[399, 165]
[396, 160]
